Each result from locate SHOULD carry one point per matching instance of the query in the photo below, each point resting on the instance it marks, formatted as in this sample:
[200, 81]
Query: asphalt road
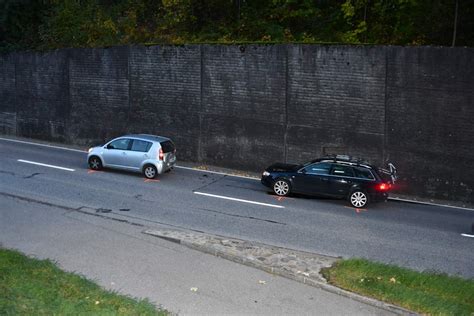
[422, 237]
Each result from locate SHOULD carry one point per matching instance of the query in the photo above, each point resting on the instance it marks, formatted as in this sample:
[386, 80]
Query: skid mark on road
[241, 216]
[210, 183]
[32, 175]
[140, 197]
[245, 188]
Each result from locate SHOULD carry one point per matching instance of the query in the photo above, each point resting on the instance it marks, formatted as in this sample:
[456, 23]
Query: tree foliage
[49, 24]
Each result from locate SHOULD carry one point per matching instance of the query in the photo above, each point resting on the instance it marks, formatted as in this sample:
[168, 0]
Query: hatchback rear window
[167, 146]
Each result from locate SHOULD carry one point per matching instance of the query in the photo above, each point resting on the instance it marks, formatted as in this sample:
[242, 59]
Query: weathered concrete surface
[296, 265]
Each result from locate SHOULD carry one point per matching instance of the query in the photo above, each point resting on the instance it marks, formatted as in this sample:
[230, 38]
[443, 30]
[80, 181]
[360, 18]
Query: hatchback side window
[318, 168]
[344, 171]
[121, 144]
[141, 145]
[363, 173]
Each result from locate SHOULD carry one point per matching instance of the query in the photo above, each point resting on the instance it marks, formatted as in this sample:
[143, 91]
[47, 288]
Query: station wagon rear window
[363, 173]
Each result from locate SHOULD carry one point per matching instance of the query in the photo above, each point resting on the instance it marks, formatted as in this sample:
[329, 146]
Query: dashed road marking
[238, 200]
[467, 235]
[45, 165]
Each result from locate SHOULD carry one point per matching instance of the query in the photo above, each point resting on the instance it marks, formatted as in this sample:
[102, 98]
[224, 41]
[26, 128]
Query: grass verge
[38, 287]
[422, 292]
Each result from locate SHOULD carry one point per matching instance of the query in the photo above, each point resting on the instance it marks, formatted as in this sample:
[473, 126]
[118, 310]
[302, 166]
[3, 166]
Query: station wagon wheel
[149, 171]
[358, 199]
[95, 163]
[281, 187]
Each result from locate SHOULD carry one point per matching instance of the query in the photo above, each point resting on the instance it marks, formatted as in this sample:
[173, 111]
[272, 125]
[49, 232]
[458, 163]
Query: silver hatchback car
[149, 154]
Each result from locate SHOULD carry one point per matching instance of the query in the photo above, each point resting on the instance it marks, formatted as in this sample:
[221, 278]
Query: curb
[318, 282]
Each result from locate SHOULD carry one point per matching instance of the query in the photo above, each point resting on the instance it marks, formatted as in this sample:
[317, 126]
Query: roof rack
[348, 159]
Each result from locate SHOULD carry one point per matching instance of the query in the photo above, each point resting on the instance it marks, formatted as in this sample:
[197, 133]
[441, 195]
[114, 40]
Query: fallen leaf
[194, 289]
[97, 302]
[262, 282]
[393, 280]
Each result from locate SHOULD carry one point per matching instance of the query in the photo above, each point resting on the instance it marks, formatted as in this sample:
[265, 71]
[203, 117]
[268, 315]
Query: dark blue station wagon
[340, 177]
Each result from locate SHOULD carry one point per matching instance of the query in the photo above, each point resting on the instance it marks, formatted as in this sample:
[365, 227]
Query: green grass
[426, 293]
[38, 287]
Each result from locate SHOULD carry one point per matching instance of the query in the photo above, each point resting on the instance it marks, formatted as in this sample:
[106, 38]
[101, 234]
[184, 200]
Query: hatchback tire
[149, 171]
[281, 187]
[95, 163]
[358, 199]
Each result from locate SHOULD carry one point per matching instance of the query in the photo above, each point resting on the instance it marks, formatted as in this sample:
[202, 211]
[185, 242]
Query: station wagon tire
[281, 187]
[358, 199]
[95, 163]
[149, 171]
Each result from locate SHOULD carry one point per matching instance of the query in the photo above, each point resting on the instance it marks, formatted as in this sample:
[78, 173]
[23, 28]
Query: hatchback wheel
[149, 171]
[281, 187]
[358, 199]
[95, 163]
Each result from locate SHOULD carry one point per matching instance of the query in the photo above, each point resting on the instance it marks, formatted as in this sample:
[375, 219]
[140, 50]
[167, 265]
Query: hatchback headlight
[266, 173]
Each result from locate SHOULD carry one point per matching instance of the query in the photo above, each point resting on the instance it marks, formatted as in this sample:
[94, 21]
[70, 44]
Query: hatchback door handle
[344, 181]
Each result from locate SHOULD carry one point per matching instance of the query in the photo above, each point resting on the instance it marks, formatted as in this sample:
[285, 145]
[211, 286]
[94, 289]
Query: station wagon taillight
[383, 187]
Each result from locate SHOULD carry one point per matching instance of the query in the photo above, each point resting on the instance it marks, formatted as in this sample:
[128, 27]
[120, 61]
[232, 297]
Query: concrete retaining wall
[248, 106]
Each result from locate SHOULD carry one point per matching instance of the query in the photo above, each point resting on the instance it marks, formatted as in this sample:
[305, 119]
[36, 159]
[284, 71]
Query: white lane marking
[238, 200]
[42, 145]
[432, 204]
[216, 172]
[466, 235]
[45, 165]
